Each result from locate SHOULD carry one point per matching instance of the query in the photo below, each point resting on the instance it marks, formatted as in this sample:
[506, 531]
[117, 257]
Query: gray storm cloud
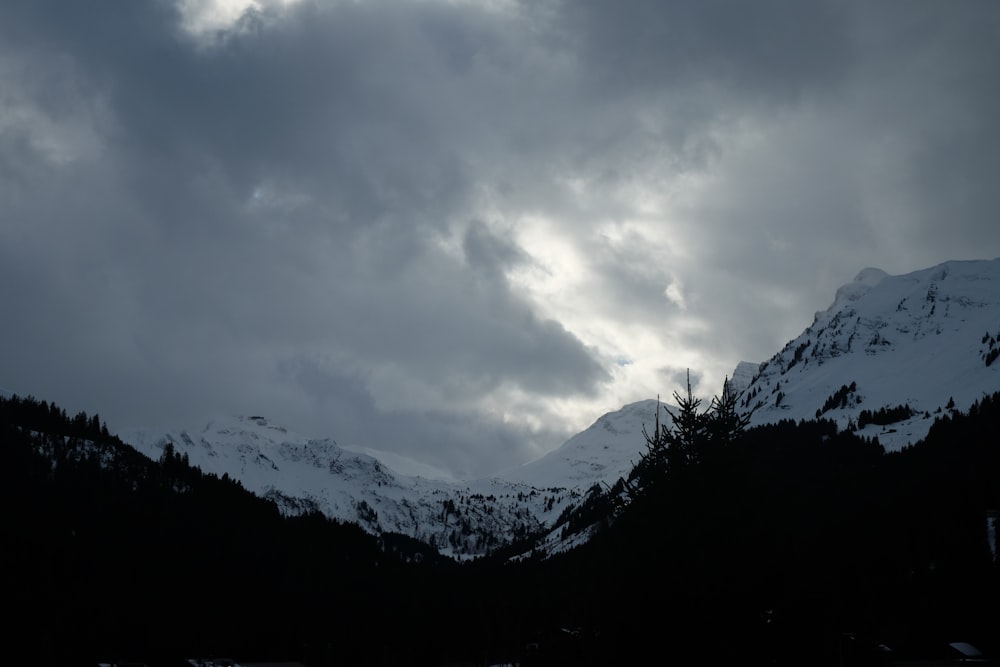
[453, 221]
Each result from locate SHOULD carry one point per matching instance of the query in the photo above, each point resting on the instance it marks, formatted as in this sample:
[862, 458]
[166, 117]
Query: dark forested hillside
[794, 542]
[790, 544]
[108, 554]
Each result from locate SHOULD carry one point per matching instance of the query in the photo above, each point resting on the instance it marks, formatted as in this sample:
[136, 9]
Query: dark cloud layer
[478, 225]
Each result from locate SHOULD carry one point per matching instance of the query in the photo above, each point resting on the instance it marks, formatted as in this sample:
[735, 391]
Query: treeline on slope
[778, 544]
[109, 555]
[763, 545]
[884, 416]
[837, 399]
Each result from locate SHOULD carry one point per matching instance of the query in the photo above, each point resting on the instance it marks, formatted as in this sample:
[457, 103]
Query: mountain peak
[857, 288]
[870, 276]
[912, 341]
[602, 453]
[743, 375]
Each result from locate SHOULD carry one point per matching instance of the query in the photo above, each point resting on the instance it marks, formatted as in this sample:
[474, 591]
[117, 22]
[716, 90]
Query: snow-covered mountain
[911, 344]
[460, 519]
[302, 474]
[742, 376]
[605, 451]
[886, 357]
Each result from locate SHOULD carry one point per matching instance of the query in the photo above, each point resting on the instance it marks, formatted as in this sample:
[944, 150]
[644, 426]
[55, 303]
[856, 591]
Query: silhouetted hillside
[770, 548]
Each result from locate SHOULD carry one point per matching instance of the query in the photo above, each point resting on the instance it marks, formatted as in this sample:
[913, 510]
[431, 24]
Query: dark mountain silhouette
[789, 543]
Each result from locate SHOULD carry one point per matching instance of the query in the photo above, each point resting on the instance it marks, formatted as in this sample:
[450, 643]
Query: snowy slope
[918, 340]
[460, 519]
[601, 454]
[742, 376]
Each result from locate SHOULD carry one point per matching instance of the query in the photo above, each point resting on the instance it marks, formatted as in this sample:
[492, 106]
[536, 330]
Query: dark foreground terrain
[789, 544]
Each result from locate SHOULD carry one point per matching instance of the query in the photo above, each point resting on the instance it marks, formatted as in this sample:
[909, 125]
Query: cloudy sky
[460, 230]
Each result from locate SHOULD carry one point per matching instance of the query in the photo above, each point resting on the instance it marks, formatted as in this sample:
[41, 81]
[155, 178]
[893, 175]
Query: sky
[458, 231]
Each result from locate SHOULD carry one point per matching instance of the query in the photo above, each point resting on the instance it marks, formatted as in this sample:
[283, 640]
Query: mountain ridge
[920, 339]
[460, 519]
[886, 358]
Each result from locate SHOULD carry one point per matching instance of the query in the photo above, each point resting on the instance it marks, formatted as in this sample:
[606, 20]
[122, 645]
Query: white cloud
[675, 294]
[202, 17]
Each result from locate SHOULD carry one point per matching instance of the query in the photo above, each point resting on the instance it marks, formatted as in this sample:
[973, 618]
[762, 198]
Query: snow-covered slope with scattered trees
[302, 474]
[890, 353]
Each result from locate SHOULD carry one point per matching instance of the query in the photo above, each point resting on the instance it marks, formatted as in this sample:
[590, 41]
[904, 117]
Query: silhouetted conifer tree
[691, 433]
[725, 423]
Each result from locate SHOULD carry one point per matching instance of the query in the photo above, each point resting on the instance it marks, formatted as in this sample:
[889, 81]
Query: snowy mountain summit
[601, 454]
[890, 353]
